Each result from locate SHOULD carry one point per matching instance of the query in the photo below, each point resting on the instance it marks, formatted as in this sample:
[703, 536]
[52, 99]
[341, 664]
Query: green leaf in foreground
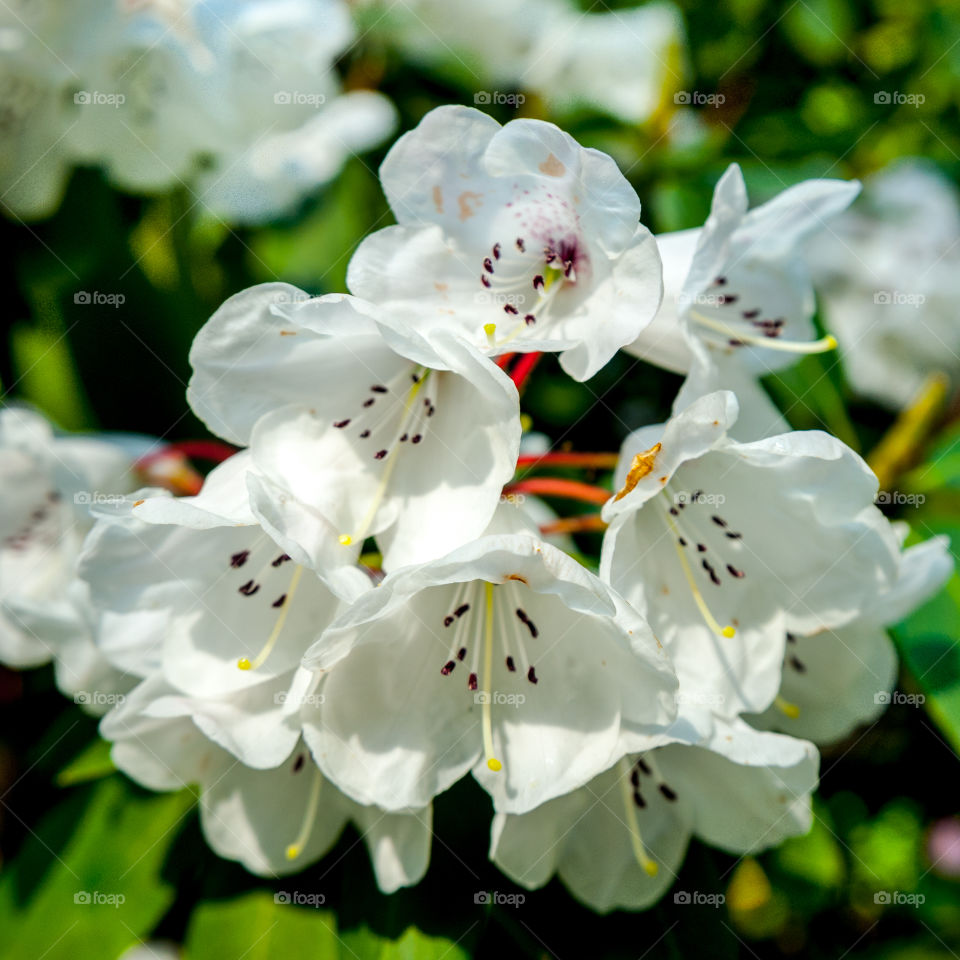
[264, 925]
[87, 883]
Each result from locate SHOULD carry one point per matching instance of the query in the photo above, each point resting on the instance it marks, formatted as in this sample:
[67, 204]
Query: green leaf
[263, 925]
[87, 882]
[92, 763]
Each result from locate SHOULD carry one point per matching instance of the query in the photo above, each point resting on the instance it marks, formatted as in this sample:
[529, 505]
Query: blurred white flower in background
[238, 102]
[887, 274]
[625, 63]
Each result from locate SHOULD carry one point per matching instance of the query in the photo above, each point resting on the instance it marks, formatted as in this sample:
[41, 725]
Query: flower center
[392, 418]
[523, 280]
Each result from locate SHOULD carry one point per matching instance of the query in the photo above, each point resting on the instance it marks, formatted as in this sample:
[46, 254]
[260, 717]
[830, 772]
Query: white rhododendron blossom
[218, 613]
[739, 543]
[618, 842]
[239, 102]
[49, 483]
[889, 277]
[840, 679]
[352, 417]
[505, 657]
[515, 237]
[274, 821]
[738, 299]
[624, 62]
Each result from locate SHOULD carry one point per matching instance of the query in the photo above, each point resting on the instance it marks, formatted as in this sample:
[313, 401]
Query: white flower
[34, 85]
[270, 176]
[223, 614]
[889, 278]
[47, 483]
[516, 237]
[618, 842]
[239, 102]
[726, 546]
[740, 286]
[624, 62]
[839, 679]
[273, 821]
[353, 418]
[505, 657]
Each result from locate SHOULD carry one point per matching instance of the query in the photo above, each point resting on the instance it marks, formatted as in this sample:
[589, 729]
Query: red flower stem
[601, 461]
[524, 367]
[557, 487]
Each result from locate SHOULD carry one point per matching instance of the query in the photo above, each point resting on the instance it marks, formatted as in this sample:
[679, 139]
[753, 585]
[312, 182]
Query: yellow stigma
[258, 661]
[494, 764]
[728, 632]
[345, 539]
[651, 869]
[293, 851]
[787, 708]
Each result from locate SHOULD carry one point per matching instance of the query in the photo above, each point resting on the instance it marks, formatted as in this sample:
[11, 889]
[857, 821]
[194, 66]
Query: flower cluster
[350, 615]
[239, 102]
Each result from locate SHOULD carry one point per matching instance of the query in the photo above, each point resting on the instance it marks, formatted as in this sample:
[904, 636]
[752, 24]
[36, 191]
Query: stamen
[243, 663]
[822, 345]
[310, 815]
[492, 762]
[649, 866]
[708, 618]
[388, 455]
